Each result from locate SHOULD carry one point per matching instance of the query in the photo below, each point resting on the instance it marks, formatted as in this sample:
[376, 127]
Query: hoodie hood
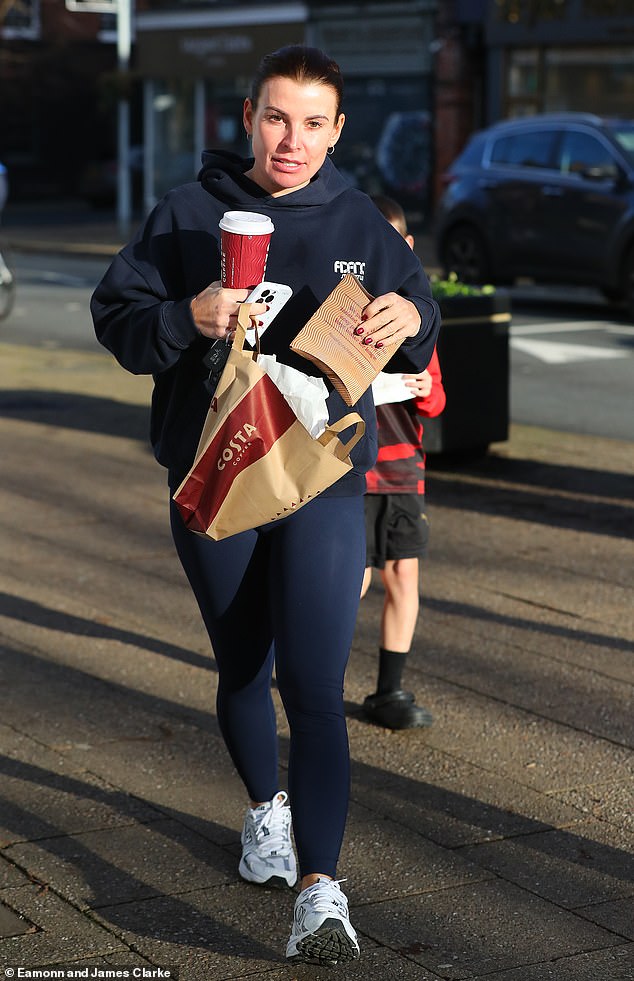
[223, 175]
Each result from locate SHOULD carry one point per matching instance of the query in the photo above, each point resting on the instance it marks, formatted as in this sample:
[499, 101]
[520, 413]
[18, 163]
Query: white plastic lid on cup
[246, 223]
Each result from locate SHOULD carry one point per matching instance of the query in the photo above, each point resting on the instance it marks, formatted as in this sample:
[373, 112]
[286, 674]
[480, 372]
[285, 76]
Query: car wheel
[464, 253]
[628, 282]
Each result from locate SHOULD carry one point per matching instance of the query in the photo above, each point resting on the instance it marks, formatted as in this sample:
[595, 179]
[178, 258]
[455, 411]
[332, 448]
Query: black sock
[391, 664]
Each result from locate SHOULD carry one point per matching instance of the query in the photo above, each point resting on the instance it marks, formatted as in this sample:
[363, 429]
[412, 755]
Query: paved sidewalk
[497, 844]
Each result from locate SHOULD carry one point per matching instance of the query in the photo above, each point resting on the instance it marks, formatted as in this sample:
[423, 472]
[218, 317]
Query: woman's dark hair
[302, 64]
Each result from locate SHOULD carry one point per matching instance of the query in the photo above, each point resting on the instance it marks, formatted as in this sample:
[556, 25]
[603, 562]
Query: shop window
[524, 81]
[223, 127]
[607, 8]
[175, 161]
[530, 11]
[523, 73]
[389, 150]
[597, 79]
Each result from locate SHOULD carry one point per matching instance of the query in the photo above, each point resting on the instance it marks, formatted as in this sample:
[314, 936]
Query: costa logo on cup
[245, 237]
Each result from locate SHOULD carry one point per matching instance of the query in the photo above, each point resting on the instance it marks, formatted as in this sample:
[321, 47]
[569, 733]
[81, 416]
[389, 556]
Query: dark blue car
[549, 197]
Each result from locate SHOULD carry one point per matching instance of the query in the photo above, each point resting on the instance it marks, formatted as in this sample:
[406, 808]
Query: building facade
[551, 55]
[421, 75]
[196, 65]
[56, 95]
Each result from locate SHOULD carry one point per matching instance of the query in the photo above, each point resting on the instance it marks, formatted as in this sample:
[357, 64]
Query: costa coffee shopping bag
[255, 461]
[329, 341]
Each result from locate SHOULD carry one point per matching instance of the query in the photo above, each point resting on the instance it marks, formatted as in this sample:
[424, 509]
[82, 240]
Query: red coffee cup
[244, 247]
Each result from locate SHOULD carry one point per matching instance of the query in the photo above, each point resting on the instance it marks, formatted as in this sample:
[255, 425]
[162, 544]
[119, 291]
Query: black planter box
[473, 350]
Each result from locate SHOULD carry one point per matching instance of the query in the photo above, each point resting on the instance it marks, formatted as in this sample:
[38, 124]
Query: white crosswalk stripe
[554, 352]
[565, 327]
[533, 339]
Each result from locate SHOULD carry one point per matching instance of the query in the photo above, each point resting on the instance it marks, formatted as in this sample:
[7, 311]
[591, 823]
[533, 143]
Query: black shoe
[396, 710]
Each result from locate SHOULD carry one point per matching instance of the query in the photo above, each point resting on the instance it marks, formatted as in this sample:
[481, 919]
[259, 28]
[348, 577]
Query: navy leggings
[286, 593]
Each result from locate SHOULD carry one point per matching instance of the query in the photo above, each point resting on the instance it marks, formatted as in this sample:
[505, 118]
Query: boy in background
[397, 527]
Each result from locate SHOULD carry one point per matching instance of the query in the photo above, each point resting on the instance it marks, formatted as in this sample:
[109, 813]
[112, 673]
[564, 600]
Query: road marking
[561, 327]
[63, 279]
[551, 352]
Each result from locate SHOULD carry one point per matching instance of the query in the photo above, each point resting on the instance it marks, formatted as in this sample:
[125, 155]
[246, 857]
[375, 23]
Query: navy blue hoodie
[141, 308]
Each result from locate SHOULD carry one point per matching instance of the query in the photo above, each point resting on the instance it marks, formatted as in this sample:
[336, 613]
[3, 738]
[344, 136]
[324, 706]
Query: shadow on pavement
[568, 497]
[72, 410]
[26, 611]
[577, 498]
[471, 612]
[117, 893]
[124, 899]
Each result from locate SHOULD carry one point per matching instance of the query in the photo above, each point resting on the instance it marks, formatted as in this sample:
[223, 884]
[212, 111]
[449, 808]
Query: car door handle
[550, 191]
[488, 183]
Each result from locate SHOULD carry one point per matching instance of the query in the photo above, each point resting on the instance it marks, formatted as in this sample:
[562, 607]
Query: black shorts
[396, 527]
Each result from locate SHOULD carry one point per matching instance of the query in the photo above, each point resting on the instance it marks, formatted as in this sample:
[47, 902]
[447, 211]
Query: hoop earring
[330, 150]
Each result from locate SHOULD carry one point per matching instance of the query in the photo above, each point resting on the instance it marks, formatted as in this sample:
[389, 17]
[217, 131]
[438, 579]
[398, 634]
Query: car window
[623, 133]
[532, 149]
[581, 152]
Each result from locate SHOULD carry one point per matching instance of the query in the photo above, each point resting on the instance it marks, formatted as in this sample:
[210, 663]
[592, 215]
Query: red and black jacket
[400, 464]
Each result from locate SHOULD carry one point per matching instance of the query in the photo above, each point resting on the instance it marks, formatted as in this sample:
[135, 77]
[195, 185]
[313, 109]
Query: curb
[92, 249]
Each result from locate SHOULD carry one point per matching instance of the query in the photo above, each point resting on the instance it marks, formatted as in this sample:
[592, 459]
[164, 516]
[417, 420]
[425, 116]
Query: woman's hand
[420, 384]
[388, 319]
[215, 310]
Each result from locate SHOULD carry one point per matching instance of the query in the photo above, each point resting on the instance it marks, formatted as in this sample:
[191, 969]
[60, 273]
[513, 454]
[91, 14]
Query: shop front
[197, 64]
[570, 56]
[386, 58]
[196, 68]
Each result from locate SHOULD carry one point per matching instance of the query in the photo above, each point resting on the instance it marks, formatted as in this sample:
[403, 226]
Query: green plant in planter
[443, 289]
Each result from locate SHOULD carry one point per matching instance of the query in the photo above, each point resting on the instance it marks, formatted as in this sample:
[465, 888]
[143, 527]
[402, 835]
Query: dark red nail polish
[379, 344]
[366, 340]
[359, 331]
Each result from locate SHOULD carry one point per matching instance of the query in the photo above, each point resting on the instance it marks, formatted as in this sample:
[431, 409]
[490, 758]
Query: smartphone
[276, 295]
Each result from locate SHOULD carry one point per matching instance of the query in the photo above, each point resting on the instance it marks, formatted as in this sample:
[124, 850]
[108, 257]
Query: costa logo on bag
[254, 425]
[256, 431]
[255, 461]
[234, 451]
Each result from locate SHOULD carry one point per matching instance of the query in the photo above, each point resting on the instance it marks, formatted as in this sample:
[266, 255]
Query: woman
[289, 591]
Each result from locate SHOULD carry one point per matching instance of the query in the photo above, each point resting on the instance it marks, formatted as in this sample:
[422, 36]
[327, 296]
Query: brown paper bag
[329, 341]
[255, 461]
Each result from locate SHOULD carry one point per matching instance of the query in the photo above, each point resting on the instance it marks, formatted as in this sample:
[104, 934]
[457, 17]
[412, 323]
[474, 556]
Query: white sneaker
[267, 850]
[322, 932]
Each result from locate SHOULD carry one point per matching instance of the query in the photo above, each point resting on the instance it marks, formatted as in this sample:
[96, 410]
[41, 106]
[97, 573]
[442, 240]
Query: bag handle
[328, 438]
[245, 323]
[229, 370]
